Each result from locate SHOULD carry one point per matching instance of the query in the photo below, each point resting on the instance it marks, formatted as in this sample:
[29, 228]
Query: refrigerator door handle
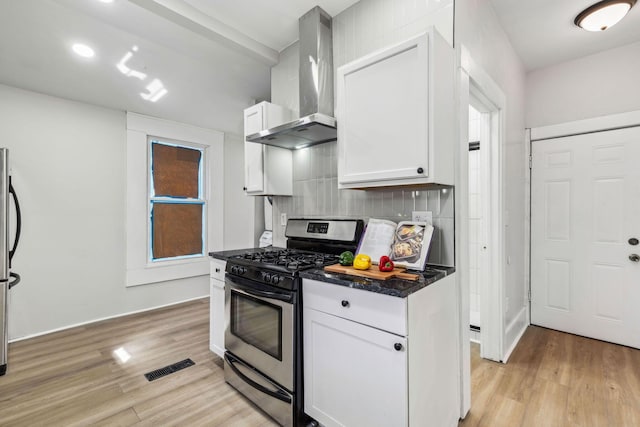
[18, 223]
[16, 276]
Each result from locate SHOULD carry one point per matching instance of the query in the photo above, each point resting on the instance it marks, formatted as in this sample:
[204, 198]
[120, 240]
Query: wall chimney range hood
[316, 123]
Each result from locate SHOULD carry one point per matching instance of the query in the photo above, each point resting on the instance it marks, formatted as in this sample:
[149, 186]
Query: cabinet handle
[345, 303]
[244, 188]
[397, 346]
[420, 170]
[217, 270]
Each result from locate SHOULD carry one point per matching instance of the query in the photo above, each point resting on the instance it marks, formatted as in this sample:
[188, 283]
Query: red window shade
[177, 229]
[175, 171]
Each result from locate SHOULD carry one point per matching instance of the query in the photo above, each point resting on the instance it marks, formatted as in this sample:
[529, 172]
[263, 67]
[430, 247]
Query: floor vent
[159, 373]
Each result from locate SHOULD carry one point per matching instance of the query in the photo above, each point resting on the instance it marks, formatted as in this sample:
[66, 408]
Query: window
[177, 208]
[174, 200]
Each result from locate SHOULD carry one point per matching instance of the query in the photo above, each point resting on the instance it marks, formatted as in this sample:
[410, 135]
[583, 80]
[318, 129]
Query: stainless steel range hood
[316, 123]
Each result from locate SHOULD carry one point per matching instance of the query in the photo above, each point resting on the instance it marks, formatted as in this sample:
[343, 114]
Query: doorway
[479, 144]
[478, 90]
[585, 266]
[484, 215]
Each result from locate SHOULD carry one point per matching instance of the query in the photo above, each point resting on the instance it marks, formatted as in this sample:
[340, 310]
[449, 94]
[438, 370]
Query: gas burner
[288, 259]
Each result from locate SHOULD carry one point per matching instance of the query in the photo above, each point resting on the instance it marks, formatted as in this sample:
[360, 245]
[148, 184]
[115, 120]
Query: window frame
[202, 190]
[139, 270]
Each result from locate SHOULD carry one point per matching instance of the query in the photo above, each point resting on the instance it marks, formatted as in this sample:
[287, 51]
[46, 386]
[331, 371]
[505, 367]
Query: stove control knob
[234, 269]
[243, 270]
[275, 279]
[266, 277]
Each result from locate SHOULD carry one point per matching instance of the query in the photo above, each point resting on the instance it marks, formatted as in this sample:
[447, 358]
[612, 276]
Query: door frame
[474, 81]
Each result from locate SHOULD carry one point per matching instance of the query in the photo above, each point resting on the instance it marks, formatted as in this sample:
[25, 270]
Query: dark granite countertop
[395, 287]
[225, 255]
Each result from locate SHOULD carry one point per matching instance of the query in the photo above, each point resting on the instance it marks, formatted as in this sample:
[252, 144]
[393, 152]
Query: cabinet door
[216, 317]
[383, 106]
[353, 374]
[253, 153]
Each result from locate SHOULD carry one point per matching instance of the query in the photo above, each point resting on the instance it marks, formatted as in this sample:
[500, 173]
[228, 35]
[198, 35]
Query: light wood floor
[72, 378]
[556, 379]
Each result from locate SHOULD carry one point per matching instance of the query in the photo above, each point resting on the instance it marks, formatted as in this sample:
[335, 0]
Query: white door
[585, 208]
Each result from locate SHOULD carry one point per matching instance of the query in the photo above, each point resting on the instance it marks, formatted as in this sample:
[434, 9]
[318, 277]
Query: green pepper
[346, 258]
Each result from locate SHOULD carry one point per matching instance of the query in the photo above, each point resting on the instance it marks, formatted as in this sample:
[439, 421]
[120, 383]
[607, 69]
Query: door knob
[633, 241]
[634, 257]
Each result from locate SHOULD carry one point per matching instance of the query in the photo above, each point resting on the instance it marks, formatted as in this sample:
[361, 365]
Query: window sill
[169, 270]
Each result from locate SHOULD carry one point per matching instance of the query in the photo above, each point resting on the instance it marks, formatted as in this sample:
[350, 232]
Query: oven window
[257, 323]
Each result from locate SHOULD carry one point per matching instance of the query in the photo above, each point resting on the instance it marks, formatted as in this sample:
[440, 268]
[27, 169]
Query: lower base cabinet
[216, 307]
[356, 374]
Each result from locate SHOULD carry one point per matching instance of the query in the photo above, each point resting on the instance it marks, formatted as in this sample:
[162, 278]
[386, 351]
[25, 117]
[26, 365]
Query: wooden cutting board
[372, 273]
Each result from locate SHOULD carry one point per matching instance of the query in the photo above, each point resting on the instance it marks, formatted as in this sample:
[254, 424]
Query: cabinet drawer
[217, 268]
[380, 311]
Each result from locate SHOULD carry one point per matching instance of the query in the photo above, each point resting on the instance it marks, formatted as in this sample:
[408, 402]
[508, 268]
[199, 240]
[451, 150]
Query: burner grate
[289, 259]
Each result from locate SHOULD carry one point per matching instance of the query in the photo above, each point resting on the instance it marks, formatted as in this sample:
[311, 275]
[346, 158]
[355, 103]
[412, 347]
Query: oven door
[259, 329]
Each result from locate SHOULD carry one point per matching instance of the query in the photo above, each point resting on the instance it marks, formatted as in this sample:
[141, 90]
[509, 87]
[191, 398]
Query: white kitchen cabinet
[267, 170]
[216, 307]
[396, 115]
[351, 364]
[358, 374]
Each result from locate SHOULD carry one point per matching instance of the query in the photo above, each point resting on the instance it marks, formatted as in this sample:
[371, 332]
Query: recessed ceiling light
[83, 50]
[106, 1]
[156, 91]
[604, 14]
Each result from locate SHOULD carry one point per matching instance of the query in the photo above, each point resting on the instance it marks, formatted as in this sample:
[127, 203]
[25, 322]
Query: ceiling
[273, 22]
[213, 57]
[542, 31]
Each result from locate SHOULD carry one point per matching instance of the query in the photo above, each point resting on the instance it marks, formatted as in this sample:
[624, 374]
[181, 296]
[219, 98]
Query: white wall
[478, 29]
[68, 163]
[243, 215]
[596, 85]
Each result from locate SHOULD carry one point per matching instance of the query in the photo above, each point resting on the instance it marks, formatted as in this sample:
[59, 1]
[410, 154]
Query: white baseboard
[514, 332]
[26, 337]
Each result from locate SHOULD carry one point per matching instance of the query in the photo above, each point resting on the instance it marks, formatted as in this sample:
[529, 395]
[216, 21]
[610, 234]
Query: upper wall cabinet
[267, 170]
[396, 115]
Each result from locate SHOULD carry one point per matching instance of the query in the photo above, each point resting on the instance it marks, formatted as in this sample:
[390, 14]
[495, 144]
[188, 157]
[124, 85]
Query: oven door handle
[259, 293]
[277, 394]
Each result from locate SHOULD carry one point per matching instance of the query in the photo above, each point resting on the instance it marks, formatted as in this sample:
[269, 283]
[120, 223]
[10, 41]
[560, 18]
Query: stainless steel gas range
[263, 337]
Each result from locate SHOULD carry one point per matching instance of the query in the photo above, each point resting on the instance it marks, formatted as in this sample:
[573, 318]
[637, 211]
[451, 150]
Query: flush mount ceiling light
[83, 50]
[604, 14]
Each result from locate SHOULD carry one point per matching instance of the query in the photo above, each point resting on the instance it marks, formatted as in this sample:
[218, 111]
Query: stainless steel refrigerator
[7, 278]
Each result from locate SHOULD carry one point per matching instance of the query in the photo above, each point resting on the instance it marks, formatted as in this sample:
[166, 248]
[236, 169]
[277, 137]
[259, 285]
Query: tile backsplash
[316, 195]
[357, 31]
